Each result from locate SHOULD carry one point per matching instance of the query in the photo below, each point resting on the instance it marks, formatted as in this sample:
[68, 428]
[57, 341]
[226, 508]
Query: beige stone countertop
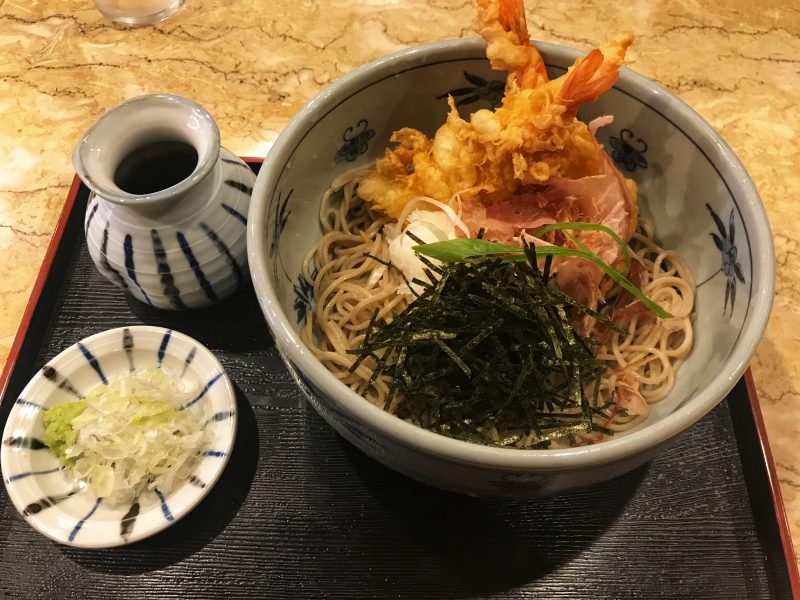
[254, 64]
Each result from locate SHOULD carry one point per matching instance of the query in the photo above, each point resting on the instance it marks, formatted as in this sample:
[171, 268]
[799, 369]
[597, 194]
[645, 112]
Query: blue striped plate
[62, 507]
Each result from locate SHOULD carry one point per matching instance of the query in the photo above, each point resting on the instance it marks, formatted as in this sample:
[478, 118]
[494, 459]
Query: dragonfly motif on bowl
[625, 153]
[481, 89]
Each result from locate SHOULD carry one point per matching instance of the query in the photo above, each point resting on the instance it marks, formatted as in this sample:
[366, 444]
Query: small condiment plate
[58, 505]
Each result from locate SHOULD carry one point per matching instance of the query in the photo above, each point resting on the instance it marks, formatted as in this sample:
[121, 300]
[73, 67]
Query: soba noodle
[349, 287]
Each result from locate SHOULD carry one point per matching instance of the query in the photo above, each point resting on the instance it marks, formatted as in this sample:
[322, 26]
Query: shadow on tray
[192, 533]
[476, 547]
[235, 324]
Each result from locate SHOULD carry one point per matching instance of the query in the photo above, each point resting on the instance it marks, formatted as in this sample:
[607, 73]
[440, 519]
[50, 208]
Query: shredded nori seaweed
[488, 343]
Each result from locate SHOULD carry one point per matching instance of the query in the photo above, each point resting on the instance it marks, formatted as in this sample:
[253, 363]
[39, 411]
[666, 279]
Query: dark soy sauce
[155, 167]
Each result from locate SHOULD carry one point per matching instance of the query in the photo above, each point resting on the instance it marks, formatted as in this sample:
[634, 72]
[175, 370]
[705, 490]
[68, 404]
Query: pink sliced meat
[629, 397]
[504, 221]
[602, 199]
[599, 122]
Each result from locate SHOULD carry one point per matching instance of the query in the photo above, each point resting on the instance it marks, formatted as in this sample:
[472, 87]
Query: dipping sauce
[155, 167]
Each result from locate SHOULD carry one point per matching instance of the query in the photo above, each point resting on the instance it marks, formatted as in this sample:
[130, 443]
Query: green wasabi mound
[58, 432]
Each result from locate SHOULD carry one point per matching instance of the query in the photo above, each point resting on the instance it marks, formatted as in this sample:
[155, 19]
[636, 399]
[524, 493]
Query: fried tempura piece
[508, 46]
[532, 138]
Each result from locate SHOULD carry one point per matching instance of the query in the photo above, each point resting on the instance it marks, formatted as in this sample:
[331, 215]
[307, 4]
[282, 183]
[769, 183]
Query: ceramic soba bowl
[691, 185]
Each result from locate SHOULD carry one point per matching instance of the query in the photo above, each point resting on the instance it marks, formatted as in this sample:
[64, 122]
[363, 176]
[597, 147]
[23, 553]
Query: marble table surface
[254, 64]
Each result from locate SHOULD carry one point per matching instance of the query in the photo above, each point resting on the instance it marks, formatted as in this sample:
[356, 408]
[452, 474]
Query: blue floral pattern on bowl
[355, 141]
[303, 296]
[730, 267]
[281, 217]
[625, 153]
[481, 90]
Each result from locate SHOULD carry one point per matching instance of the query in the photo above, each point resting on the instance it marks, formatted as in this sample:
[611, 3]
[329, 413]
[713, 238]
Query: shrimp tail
[502, 24]
[594, 74]
[511, 14]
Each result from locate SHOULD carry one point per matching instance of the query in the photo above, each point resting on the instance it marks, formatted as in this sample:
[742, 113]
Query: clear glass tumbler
[137, 12]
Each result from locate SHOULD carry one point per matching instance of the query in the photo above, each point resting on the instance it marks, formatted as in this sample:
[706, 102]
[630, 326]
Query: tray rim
[778, 505]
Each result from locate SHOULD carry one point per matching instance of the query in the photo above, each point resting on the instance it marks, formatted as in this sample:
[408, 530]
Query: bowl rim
[418, 439]
[176, 103]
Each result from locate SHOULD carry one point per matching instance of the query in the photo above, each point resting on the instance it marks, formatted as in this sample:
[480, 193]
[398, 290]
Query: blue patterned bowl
[691, 185]
[58, 505]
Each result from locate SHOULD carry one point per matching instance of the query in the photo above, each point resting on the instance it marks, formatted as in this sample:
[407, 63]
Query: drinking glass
[138, 12]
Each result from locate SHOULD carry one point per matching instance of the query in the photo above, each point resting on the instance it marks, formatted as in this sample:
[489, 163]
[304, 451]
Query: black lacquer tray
[299, 513]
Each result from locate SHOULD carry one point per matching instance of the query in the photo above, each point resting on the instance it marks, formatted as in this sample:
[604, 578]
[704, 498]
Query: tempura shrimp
[592, 75]
[533, 139]
[502, 24]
